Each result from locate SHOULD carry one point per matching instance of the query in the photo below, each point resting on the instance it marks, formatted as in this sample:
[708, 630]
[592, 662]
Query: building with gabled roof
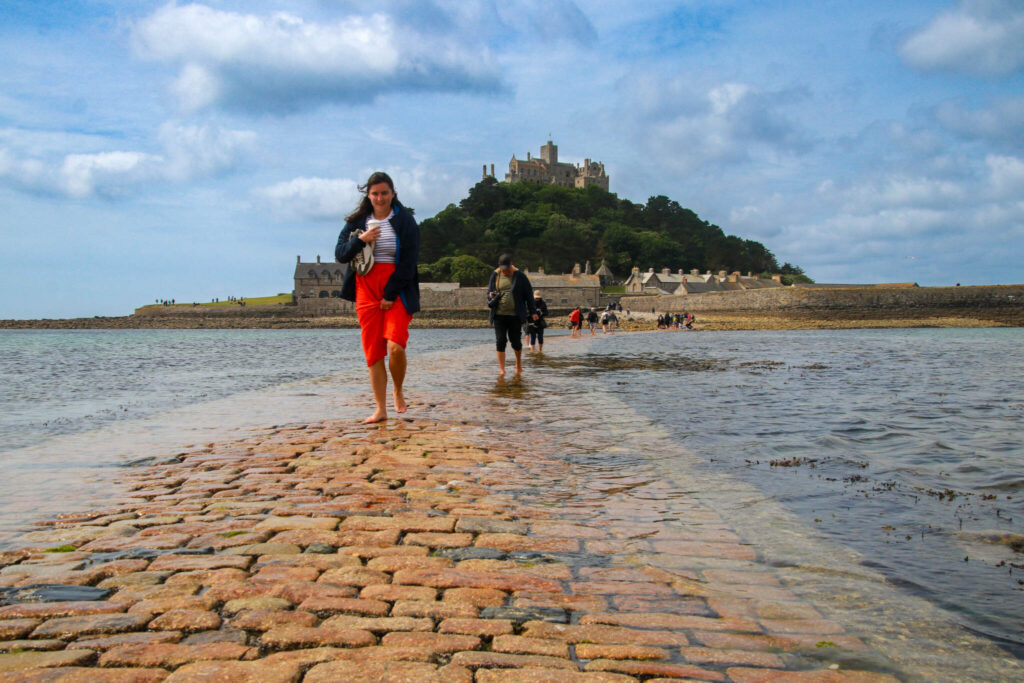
[694, 282]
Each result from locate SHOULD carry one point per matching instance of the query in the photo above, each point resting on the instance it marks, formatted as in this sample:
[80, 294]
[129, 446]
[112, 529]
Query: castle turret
[549, 153]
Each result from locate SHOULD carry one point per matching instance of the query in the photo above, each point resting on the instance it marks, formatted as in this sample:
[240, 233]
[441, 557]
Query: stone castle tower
[548, 170]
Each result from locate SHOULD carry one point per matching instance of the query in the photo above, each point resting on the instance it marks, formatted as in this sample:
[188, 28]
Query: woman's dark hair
[505, 260]
[365, 208]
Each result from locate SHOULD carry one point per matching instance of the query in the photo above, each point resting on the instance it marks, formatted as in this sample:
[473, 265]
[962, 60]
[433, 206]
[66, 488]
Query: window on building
[323, 294]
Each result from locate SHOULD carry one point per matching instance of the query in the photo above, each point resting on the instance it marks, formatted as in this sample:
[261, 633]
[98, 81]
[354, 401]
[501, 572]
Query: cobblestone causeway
[413, 551]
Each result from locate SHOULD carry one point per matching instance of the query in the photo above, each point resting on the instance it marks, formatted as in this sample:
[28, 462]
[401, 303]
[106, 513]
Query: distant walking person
[592, 320]
[536, 327]
[515, 305]
[386, 287]
[575, 319]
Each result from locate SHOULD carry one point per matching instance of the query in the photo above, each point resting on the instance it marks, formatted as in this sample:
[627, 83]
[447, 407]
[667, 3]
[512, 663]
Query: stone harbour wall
[790, 298]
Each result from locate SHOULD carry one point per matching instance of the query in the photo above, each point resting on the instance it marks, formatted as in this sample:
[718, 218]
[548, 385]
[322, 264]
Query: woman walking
[388, 292]
[515, 306]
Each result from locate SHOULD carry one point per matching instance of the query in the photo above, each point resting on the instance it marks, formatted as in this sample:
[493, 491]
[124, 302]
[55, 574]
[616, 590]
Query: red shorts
[379, 327]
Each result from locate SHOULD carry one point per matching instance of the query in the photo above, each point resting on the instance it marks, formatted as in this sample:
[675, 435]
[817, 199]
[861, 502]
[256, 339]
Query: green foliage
[61, 549]
[793, 274]
[468, 271]
[557, 227]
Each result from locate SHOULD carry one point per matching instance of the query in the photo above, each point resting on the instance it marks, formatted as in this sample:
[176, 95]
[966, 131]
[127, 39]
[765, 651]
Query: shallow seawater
[878, 473]
[902, 447]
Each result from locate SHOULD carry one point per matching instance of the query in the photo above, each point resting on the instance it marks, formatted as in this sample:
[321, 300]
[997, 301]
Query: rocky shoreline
[787, 319]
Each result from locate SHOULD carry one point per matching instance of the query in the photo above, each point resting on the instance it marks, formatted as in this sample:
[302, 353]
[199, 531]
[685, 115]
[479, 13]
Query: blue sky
[192, 150]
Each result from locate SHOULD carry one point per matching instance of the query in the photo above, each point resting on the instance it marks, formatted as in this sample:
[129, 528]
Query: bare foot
[379, 415]
[400, 406]
[501, 372]
[519, 369]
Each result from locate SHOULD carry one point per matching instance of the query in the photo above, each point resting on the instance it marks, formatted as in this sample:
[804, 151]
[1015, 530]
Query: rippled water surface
[906, 446]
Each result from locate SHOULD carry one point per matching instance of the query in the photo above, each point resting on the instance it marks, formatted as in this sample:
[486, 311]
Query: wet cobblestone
[416, 550]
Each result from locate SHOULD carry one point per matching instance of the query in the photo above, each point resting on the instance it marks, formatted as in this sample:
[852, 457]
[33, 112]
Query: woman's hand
[371, 235]
[386, 305]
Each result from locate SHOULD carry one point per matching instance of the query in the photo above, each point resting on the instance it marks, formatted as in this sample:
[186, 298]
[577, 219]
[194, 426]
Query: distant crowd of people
[676, 321]
[607, 318]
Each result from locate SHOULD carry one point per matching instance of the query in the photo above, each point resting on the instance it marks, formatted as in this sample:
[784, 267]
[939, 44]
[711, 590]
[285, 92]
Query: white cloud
[727, 123]
[202, 150]
[81, 174]
[282, 62]
[188, 152]
[1002, 123]
[982, 37]
[1006, 176]
[311, 198]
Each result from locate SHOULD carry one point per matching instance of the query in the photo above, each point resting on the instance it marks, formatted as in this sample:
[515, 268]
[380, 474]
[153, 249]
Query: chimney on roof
[721, 273]
[298, 259]
[750, 273]
[694, 271]
[587, 269]
[492, 169]
[666, 271]
[540, 270]
[318, 258]
[734, 277]
[484, 175]
[575, 269]
[650, 270]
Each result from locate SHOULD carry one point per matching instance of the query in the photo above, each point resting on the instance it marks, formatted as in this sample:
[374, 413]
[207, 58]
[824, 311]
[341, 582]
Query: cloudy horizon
[192, 150]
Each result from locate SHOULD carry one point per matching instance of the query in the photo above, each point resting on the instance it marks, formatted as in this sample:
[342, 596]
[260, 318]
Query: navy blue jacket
[522, 294]
[405, 281]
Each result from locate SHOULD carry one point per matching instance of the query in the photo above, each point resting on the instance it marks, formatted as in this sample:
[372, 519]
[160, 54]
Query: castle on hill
[548, 170]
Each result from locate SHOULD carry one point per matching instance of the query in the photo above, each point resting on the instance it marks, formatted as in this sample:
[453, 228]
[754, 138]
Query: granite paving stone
[266, 619]
[171, 655]
[186, 620]
[651, 669]
[81, 674]
[327, 606]
[541, 675]
[236, 672]
[34, 644]
[521, 645]
[476, 627]
[437, 642]
[287, 637]
[374, 672]
[20, 661]
[73, 627]
[104, 643]
[16, 628]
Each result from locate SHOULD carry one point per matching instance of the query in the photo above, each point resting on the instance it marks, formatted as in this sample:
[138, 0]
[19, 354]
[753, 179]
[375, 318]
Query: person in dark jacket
[514, 308]
[388, 295]
[536, 327]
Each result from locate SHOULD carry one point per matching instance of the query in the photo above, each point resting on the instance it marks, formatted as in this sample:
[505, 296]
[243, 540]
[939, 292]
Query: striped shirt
[386, 245]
